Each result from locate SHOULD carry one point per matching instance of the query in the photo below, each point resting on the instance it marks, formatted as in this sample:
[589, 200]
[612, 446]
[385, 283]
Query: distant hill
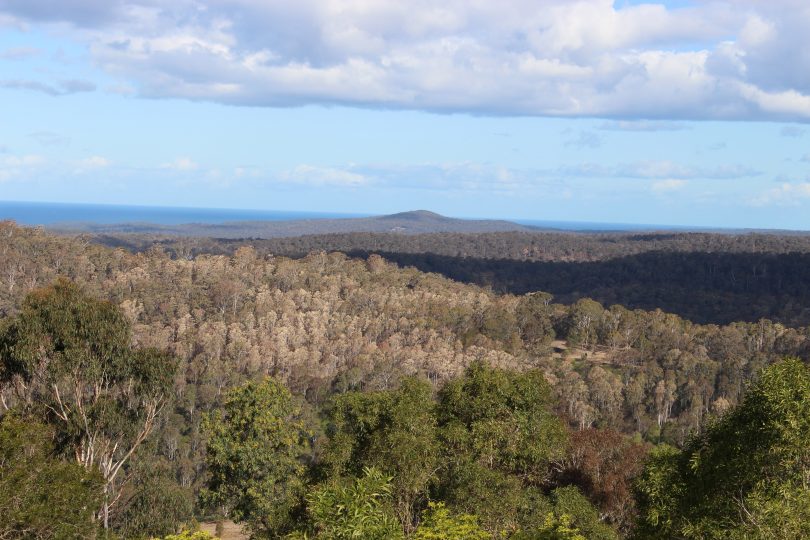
[415, 222]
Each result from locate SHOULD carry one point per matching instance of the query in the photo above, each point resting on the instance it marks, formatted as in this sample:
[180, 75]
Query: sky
[674, 113]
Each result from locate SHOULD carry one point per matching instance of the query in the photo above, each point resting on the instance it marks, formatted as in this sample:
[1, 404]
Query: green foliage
[534, 319]
[361, 508]
[572, 506]
[582, 323]
[745, 476]
[553, 528]
[41, 496]
[69, 359]
[156, 505]
[253, 456]
[190, 535]
[439, 524]
[499, 437]
[395, 432]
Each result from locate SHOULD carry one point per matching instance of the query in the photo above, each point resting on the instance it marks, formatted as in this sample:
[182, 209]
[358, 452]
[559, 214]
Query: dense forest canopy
[706, 278]
[421, 398]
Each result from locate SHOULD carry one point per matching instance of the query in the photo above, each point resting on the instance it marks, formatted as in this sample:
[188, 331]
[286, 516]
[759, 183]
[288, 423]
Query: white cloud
[661, 176]
[785, 194]
[30, 160]
[60, 88]
[181, 164]
[643, 125]
[90, 164]
[667, 186]
[94, 162]
[712, 60]
[662, 169]
[320, 176]
[14, 167]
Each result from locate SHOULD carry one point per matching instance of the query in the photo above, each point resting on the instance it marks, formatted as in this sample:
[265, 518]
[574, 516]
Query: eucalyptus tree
[68, 359]
[746, 476]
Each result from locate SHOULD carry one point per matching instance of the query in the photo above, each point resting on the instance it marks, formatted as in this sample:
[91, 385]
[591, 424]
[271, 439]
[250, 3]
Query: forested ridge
[437, 404]
[706, 278]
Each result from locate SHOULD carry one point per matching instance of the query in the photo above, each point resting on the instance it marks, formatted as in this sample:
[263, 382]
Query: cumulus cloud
[181, 164]
[662, 170]
[93, 162]
[711, 60]
[643, 125]
[660, 176]
[785, 194]
[323, 176]
[60, 88]
[13, 166]
[450, 176]
[667, 186]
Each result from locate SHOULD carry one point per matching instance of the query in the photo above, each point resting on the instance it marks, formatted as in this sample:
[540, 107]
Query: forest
[330, 395]
[706, 278]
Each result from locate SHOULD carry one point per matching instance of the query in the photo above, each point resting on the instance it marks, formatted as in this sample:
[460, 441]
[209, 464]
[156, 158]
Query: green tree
[439, 524]
[190, 535]
[534, 314]
[68, 358]
[357, 508]
[42, 496]
[554, 527]
[746, 476]
[571, 505]
[156, 505]
[583, 322]
[255, 444]
[499, 438]
[393, 431]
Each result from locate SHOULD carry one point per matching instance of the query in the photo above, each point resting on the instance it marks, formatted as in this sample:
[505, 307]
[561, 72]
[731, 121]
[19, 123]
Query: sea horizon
[55, 214]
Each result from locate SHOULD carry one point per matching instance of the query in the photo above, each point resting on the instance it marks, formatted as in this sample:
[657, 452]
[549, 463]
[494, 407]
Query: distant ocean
[34, 213]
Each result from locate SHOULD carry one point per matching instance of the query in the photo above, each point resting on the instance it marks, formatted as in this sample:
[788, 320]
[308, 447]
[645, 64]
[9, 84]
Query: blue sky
[675, 113]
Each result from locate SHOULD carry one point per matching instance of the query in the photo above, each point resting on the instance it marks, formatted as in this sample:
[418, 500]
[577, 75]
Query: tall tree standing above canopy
[69, 359]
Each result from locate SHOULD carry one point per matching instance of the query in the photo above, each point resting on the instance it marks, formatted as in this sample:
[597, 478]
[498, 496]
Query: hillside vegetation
[366, 357]
[706, 278]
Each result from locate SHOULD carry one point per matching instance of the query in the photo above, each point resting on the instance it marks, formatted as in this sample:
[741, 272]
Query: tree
[68, 357]
[43, 497]
[155, 506]
[394, 431]
[356, 508]
[746, 476]
[582, 323]
[190, 535]
[255, 444]
[500, 437]
[603, 464]
[439, 524]
[553, 528]
[534, 319]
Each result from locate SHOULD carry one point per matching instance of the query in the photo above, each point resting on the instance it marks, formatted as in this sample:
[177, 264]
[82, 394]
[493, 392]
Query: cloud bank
[741, 60]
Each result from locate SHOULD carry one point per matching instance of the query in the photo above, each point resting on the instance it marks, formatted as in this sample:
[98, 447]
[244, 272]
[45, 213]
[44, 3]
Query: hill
[414, 222]
[327, 324]
[707, 278]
